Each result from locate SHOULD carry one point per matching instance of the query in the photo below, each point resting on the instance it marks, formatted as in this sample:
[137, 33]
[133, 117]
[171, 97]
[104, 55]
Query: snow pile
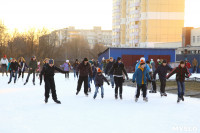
[22, 110]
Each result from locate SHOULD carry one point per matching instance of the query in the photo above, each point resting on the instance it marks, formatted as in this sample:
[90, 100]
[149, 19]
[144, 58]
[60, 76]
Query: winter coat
[138, 64]
[33, 65]
[118, 69]
[99, 79]
[85, 70]
[49, 72]
[181, 73]
[75, 65]
[4, 61]
[8, 67]
[14, 66]
[141, 76]
[153, 66]
[104, 64]
[66, 66]
[194, 63]
[188, 65]
[108, 67]
[94, 71]
[162, 72]
[23, 66]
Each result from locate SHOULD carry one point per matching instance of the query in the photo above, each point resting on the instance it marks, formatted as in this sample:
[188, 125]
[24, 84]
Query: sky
[56, 14]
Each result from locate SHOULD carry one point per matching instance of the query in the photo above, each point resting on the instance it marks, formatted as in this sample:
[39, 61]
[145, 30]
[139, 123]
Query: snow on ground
[22, 110]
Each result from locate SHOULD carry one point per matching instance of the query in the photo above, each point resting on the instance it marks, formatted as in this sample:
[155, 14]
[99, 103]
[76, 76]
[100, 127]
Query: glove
[133, 81]
[108, 83]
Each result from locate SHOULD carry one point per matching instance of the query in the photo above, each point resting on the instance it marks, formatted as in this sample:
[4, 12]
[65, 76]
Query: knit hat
[99, 70]
[51, 61]
[182, 62]
[85, 59]
[142, 59]
[119, 58]
[164, 61]
[67, 61]
[4, 56]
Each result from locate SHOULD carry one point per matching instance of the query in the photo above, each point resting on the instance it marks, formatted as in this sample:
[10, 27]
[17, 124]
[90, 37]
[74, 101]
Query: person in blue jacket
[140, 76]
[142, 59]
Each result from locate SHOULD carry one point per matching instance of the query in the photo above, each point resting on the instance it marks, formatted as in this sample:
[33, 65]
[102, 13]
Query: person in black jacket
[85, 70]
[162, 72]
[118, 70]
[108, 67]
[14, 70]
[181, 72]
[49, 71]
[99, 79]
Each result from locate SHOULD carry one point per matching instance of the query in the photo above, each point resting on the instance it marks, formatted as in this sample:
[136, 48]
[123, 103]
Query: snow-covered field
[22, 110]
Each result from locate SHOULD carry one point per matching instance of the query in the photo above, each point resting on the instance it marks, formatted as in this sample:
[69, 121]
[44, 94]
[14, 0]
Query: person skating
[32, 67]
[23, 66]
[118, 70]
[75, 65]
[14, 70]
[4, 64]
[49, 71]
[181, 72]
[162, 70]
[99, 79]
[140, 76]
[108, 67]
[67, 67]
[195, 65]
[85, 70]
[153, 65]
[187, 64]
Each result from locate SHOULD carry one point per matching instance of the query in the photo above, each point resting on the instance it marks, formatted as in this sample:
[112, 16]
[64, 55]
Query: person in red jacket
[187, 64]
[181, 72]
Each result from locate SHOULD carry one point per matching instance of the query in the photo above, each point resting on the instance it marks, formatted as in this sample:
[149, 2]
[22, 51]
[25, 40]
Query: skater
[85, 70]
[187, 64]
[14, 70]
[152, 63]
[162, 72]
[99, 79]
[181, 72]
[90, 79]
[32, 67]
[118, 70]
[23, 66]
[141, 75]
[194, 64]
[38, 68]
[75, 65]
[103, 63]
[49, 71]
[67, 67]
[4, 64]
[108, 67]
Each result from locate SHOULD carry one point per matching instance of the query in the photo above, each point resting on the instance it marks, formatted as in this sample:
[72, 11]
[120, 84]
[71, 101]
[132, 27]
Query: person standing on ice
[14, 70]
[140, 76]
[32, 67]
[118, 70]
[152, 63]
[99, 79]
[67, 67]
[181, 72]
[23, 66]
[85, 70]
[162, 70]
[108, 67]
[4, 64]
[75, 65]
[49, 71]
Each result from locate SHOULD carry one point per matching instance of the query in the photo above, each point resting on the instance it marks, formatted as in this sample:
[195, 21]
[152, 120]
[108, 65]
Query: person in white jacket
[4, 64]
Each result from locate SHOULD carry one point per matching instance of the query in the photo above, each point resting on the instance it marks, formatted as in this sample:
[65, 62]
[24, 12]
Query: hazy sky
[23, 14]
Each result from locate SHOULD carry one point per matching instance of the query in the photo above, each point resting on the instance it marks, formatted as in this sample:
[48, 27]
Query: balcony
[136, 33]
[136, 26]
[137, 4]
[135, 19]
[136, 41]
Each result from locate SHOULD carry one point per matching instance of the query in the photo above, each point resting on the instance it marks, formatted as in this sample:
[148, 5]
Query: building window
[198, 39]
[193, 39]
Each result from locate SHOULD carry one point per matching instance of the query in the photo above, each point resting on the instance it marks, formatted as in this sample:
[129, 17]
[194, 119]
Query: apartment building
[146, 23]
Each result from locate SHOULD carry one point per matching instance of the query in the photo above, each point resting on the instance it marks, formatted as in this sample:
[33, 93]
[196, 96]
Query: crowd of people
[89, 71]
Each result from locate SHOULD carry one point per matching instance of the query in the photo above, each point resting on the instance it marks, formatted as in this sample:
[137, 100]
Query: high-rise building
[145, 23]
